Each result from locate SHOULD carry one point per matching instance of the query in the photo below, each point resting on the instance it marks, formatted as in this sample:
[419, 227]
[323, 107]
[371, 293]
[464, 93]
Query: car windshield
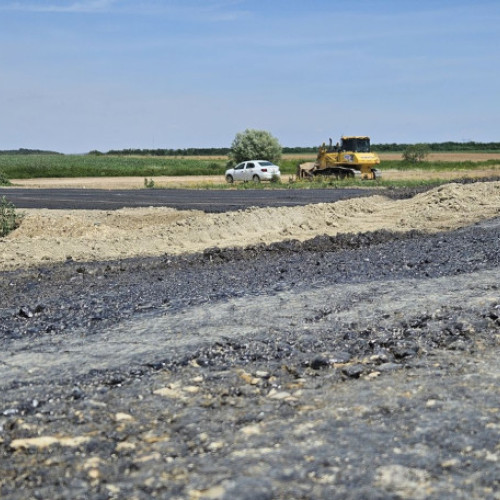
[356, 144]
[266, 164]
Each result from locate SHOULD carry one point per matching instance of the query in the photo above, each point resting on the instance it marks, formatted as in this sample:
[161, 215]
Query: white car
[254, 170]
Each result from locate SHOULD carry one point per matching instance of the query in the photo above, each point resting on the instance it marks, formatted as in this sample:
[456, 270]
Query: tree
[416, 153]
[255, 145]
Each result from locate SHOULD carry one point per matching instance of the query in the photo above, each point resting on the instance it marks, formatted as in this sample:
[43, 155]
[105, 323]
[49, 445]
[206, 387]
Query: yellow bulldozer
[350, 158]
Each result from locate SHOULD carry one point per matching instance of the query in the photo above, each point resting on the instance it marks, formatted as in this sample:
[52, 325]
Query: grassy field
[58, 166]
[84, 166]
[41, 166]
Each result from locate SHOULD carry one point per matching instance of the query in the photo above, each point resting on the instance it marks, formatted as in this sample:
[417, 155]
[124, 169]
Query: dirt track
[361, 365]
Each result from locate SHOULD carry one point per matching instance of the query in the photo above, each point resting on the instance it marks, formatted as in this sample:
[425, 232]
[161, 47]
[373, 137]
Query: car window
[239, 167]
[250, 165]
[266, 163]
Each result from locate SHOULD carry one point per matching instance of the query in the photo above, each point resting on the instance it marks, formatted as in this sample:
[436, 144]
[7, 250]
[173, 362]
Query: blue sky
[78, 75]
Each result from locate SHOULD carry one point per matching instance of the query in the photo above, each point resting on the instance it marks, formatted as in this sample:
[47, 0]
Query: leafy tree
[255, 145]
[415, 153]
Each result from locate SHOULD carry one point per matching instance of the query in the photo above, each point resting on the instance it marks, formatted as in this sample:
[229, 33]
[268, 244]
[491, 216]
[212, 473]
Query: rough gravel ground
[344, 366]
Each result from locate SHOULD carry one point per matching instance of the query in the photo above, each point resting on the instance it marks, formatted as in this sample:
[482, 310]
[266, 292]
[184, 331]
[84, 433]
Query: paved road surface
[186, 199]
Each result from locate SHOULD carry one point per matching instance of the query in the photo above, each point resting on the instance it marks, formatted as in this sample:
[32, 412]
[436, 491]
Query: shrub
[3, 179]
[8, 217]
[416, 153]
[255, 145]
[149, 184]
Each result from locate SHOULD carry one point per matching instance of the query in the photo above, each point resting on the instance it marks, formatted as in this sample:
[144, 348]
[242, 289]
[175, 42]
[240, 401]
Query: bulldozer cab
[355, 144]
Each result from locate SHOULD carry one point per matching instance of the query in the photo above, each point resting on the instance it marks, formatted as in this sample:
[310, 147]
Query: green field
[33, 166]
[41, 166]
[438, 166]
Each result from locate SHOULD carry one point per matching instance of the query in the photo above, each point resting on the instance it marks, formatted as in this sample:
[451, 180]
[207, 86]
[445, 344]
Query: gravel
[355, 366]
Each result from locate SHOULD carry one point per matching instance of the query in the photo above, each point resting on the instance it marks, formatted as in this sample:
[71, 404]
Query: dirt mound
[83, 235]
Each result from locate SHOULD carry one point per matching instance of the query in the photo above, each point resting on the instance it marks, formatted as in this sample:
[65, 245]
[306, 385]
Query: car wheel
[229, 179]
[256, 178]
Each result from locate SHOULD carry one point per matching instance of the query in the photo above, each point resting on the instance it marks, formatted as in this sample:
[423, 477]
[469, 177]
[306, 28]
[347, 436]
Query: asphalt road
[185, 199]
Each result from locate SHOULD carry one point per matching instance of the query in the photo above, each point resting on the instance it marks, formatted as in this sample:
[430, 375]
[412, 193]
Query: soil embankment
[53, 235]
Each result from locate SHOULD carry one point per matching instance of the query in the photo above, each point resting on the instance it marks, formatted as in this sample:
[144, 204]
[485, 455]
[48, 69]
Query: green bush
[8, 217]
[254, 145]
[3, 179]
[416, 153]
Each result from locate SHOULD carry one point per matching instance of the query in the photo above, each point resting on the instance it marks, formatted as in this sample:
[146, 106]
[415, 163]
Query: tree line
[24, 151]
[448, 146]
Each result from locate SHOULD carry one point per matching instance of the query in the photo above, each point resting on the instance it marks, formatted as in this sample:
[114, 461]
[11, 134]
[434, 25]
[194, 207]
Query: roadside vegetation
[9, 219]
[4, 181]
[324, 183]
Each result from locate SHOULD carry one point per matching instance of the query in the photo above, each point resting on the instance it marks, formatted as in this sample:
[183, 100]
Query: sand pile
[56, 235]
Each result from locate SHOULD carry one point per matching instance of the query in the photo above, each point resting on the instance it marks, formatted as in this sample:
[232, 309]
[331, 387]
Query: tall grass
[37, 166]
